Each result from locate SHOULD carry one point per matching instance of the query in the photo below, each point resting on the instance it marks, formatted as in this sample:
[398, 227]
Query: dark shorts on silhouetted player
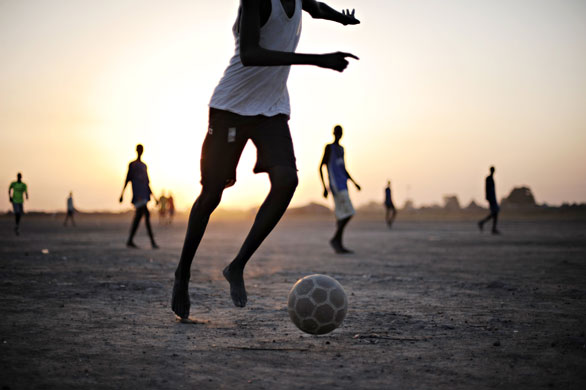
[227, 135]
[17, 208]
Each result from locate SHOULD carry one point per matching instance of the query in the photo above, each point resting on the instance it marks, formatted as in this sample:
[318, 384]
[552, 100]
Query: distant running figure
[70, 210]
[15, 191]
[338, 177]
[390, 211]
[141, 194]
[492, 202]
[251, 102]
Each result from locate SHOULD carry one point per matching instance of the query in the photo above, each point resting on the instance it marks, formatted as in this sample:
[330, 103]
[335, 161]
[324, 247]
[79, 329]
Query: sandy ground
[432, 305]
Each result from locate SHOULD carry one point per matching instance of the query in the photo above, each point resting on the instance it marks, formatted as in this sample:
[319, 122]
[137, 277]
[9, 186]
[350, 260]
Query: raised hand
[336, 61]
[349, 17]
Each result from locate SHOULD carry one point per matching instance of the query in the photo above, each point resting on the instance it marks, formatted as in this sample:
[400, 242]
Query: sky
[443, 89]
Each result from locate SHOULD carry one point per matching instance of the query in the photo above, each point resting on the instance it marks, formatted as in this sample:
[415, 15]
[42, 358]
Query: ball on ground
[317, 304]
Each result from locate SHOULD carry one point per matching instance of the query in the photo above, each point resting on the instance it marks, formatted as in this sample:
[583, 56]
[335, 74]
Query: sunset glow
[443, 90]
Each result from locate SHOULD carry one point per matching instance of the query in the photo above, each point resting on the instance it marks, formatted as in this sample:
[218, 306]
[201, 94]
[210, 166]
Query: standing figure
[171, 208]
[490, 191]
[162, 208]
[251, 102]
[15, 191]
[70, 210]
[390, 211]
[338, 176]
[141, 194]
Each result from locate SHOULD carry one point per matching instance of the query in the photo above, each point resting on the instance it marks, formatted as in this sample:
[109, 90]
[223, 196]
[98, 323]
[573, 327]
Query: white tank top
[261, 90]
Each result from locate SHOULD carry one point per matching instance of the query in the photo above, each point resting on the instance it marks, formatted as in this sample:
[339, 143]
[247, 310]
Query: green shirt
[18, 188]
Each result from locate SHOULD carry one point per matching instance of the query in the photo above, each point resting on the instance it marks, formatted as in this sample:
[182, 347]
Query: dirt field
[432, 305]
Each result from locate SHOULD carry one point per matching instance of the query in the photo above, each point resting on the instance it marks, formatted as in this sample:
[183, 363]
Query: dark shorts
[17, 208]
[389, 205]
[227, 135]
[494, 208]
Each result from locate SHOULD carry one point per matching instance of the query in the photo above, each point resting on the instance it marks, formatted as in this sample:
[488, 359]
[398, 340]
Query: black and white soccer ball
[317, 304]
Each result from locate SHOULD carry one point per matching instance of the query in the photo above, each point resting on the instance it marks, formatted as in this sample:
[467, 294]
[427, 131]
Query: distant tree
[520, 197]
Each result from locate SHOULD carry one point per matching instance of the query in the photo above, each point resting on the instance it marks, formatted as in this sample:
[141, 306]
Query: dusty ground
[432, 305]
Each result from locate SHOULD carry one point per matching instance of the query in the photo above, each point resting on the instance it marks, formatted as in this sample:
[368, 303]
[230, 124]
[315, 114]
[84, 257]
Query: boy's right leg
[17, 223]
[336, 241]
[203, 207]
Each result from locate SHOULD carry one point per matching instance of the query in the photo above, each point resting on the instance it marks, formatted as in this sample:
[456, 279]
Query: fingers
[349, 55]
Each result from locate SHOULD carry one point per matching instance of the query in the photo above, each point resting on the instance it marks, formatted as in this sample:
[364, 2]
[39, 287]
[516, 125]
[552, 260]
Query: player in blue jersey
[141, 195]
[338, 177]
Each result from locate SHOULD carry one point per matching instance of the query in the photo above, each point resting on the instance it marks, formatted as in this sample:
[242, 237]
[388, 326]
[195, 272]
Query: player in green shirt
[15, 191]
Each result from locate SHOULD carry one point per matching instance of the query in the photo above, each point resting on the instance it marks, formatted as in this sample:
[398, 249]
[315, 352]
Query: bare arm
[324, 161]
[319, 10]
[10, 193]
[252, 54]
[352, 180]
[125, 184]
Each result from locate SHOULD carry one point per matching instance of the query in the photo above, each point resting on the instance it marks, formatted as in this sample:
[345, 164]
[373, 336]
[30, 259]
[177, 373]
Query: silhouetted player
[390, 211]
[251, 102]
[493, 204]
[15, 191]
[338, 177]
[70, 210]
[162, 208]
[141, 194]
[171, 207]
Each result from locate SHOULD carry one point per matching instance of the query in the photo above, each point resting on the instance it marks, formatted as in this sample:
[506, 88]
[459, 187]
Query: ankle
[182, 277]
[235, 268]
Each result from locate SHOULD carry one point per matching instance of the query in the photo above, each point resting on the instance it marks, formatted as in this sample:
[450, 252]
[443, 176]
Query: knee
[284, 179]
[209, 198]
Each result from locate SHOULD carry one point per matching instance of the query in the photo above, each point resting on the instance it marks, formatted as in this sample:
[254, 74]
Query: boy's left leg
[275, 155]
[336, 241]
[494, 222]
[147, 220]
[283, 183]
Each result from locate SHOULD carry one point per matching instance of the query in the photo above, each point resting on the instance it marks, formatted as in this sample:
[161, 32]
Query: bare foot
[346, 250]
[237, 289]
[180, 302]
[337, 246]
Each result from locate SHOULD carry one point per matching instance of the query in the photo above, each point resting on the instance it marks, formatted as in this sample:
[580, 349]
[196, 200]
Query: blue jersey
[388, 199]
[138, 176]
[337, 169]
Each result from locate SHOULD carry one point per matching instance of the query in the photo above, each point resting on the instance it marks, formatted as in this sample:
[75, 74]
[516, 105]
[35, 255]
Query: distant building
[451, 202]
[473, 206]
[520, 197]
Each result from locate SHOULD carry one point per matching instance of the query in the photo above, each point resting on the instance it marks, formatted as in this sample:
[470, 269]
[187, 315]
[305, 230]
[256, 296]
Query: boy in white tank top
[251, 101]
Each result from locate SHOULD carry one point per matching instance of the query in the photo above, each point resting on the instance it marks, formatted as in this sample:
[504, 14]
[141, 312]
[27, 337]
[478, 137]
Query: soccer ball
[317, 304]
